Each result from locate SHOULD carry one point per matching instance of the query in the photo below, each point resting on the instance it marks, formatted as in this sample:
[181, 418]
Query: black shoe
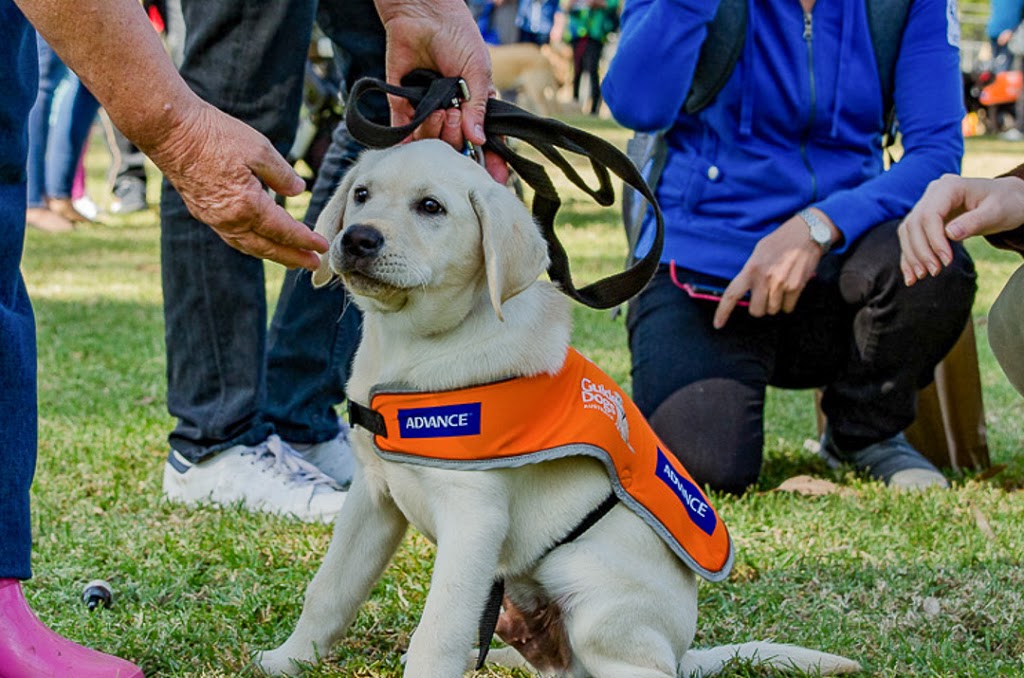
[894, 461]
[129, 196]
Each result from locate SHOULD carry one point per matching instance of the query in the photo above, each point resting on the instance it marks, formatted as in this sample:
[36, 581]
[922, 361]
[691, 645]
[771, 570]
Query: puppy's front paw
[276, 662]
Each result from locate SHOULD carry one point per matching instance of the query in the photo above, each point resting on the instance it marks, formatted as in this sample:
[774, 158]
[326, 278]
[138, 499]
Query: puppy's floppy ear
[330, 223]
[515, 252]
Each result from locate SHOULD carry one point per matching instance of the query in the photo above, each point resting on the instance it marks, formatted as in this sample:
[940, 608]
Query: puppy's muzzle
[360, 245]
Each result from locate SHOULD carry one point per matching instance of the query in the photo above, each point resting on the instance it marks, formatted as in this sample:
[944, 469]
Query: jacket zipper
[809, 39]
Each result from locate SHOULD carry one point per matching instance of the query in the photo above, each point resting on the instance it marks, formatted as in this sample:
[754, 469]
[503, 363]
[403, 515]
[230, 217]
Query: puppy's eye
[360, 195]
[430, 206]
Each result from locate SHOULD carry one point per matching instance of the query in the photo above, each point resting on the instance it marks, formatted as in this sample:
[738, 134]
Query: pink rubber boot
[28, 649]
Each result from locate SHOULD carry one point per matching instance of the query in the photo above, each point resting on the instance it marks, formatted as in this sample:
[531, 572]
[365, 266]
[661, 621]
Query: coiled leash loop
[429, 92]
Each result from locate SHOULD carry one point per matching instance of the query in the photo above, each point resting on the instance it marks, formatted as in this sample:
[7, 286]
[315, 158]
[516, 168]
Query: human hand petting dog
[776, 272]
[956, 208]
[220, 165]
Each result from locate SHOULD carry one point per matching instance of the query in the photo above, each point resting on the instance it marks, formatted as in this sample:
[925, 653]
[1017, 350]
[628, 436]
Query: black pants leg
[857, 331]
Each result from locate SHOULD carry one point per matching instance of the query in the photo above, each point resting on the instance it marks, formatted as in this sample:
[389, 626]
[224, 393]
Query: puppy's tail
[703, 663]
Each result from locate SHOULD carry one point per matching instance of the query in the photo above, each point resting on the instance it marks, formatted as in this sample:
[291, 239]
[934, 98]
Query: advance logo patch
[446, 421]
[702, 515]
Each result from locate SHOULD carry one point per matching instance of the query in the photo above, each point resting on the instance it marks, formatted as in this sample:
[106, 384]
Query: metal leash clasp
[469, 150]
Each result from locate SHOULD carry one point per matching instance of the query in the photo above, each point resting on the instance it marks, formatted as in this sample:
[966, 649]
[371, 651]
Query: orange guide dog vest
[579, 411]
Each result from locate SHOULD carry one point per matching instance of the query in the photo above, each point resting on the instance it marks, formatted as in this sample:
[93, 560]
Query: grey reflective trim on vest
[562, 452]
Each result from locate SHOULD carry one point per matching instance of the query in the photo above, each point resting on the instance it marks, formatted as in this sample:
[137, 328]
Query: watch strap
[821, 233]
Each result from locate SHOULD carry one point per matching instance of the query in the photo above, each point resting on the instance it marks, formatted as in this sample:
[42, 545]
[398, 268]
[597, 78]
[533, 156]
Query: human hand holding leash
[775, 274]
[441, 36]
[956, 208]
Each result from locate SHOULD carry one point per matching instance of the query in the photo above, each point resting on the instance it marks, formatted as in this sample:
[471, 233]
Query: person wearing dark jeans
[857, 331]
[251, 406]
[587, 28]
[134, 84]
[586, 58]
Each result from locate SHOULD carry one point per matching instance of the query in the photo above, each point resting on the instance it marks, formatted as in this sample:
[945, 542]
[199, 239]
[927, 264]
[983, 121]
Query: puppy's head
[421, 219]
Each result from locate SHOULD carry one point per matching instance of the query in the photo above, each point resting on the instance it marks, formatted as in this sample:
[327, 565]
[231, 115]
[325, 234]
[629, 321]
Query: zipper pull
[807, 26]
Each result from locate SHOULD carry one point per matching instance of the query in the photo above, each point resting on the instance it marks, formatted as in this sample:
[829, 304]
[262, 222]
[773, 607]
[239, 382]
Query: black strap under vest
[492, 608]
[429, 92]
[371, 420]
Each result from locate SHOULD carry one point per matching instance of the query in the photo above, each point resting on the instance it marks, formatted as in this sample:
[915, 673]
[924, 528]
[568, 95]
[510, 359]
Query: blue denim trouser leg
[314, 332]
[76, 111]
[245, 57]
[857, 330]
[18, 415]
[51, 72]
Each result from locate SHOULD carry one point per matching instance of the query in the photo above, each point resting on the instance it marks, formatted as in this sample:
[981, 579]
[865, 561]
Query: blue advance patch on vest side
[447, 421]
[702, 515]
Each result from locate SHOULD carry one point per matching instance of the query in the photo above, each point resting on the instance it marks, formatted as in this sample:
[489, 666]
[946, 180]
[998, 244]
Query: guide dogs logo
[599, 397]
[446, 421]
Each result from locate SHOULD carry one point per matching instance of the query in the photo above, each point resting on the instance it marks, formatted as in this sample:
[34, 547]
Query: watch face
[819, 230]
[820, 233]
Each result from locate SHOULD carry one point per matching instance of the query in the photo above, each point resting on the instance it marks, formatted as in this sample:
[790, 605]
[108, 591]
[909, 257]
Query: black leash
[428, 92]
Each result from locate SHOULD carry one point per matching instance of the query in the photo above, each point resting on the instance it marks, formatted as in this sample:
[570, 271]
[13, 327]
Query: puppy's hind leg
[366, 535]
[630, 607]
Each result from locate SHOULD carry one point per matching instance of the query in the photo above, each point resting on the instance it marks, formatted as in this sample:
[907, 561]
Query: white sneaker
[86, 207]
[333, 457]
[1012, 134]
[269, 477]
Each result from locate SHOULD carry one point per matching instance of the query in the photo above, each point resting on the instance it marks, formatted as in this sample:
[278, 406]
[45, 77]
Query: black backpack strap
[718, 55]
[649, 152]
[428, 92]
[886, 21]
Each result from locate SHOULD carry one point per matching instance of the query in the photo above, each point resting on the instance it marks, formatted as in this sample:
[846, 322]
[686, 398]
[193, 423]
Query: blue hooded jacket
[799, 122]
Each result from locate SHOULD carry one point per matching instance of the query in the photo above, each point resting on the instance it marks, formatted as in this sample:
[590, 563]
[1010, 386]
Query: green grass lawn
[909, 584]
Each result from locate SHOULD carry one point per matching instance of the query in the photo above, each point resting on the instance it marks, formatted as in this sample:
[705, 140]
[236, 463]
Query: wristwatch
[821, 233]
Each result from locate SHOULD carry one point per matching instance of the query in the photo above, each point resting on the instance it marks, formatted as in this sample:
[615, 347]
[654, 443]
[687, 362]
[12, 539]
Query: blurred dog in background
[536, 78]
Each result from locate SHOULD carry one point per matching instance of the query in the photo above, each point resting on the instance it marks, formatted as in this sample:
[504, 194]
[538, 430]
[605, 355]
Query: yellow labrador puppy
[444, 263]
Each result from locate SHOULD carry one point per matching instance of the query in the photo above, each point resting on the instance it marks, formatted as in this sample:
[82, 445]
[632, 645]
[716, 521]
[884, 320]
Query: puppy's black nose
[362, 241]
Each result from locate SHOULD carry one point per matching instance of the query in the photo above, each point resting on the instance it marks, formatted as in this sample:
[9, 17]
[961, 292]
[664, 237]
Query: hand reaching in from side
[955, 208]
[219, 166]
